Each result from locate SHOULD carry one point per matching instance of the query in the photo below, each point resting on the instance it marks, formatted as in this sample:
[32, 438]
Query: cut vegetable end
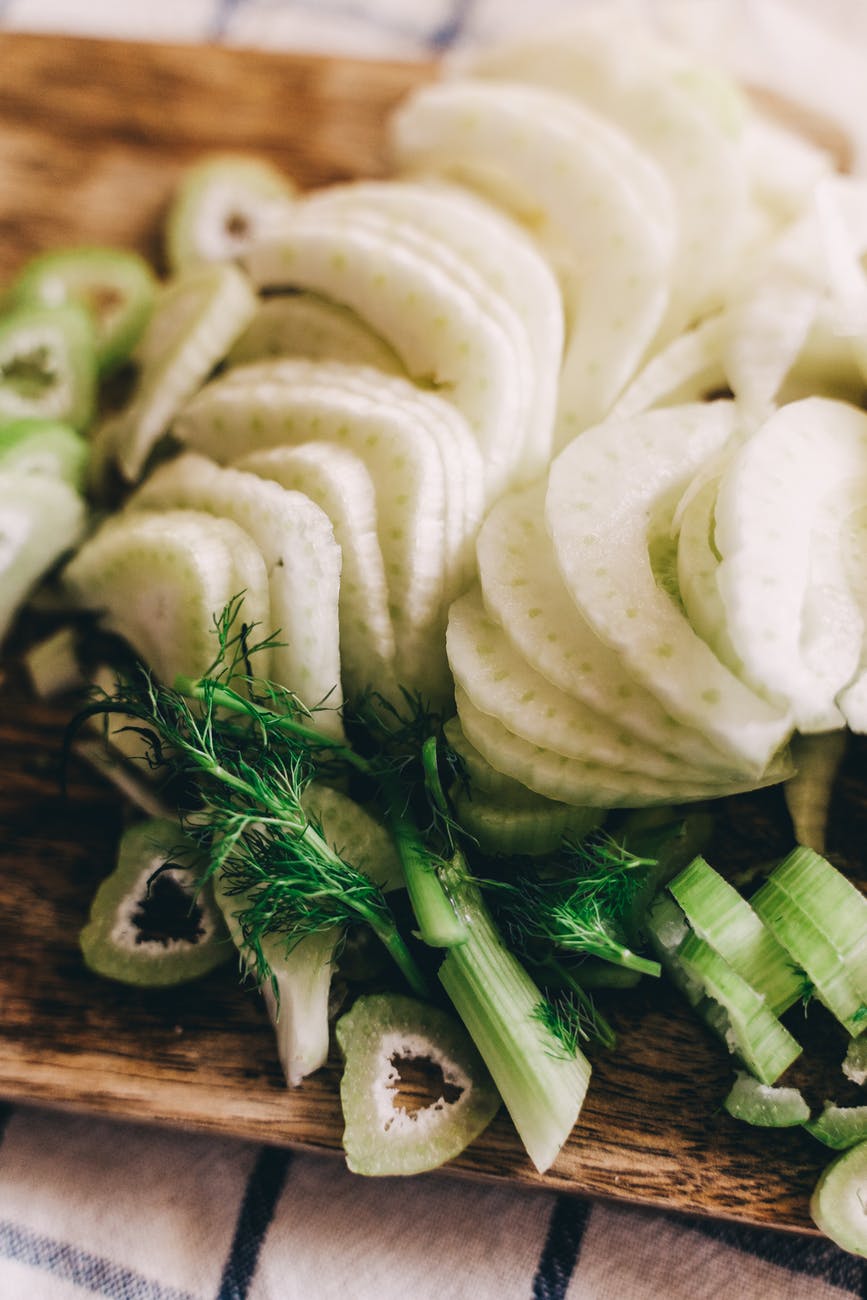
[756, 1103]
[839, 1127]
[388, 1131]
[839, 1203]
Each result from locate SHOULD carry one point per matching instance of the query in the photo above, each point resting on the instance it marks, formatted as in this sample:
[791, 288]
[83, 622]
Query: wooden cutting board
[93, 136]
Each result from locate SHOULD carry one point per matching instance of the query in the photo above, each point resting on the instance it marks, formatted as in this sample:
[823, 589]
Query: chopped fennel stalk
[541, 1079]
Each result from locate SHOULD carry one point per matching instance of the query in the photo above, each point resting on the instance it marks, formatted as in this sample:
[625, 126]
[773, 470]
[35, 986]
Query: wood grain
[92, 138]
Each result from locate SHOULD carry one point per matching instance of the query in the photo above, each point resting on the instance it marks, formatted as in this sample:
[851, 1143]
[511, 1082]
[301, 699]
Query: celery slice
[221, 206]
[545, 159]
[733, 1010]
[541, 1082]
[47, 364]
[196, 319]
[855, 1063]
[821, 920]
[766, 1107]
[40, 518]
[159, 579]
[837, 1204]
[43, 447]
[114, 286]
[725, 920]
[752, 1031]
[157, 932]
[382, 1137]
[302, 562]
[305, 325]
[839, 1127]
[608, 493]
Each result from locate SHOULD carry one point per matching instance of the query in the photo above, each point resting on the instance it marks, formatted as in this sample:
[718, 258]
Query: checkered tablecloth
[93, 1207]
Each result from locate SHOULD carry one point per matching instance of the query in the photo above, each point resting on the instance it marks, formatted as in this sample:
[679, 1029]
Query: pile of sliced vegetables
[450, 515]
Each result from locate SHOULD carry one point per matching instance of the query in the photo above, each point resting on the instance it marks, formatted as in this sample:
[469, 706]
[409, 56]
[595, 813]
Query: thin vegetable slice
[523, 590]
[47, 365]
[382, 1136]
[40, 519]
[725, 920]
[766, 1107]
[221, 207]
[837, 1204]
[116, 288]
[820, 918]
[448, 339]
[340, 484]
[611, 494]
[636, 82]
[196, 319]
[794, 615]
[43, 447]
[501, 253]
[532, 830]
[855, 1063]
[159, 579]
[149, 924]
[839, 1127]
[305, 325]
[499, 682]
[280, 402]
[302, 562]
[545, 159]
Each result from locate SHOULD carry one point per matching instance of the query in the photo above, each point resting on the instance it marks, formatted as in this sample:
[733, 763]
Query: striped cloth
[93, 1207]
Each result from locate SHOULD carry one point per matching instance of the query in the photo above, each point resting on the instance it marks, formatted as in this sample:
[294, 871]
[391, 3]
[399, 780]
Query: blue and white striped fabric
[94, 1208]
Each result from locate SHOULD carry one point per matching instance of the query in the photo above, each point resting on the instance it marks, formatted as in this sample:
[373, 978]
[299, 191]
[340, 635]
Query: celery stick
[720, 916]
[541, 1081]
[821, 920]
[839, 1126]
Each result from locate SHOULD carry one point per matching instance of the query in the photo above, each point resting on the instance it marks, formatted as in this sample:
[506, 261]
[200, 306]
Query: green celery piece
[542, 1082]
[855, 1064]
[756, 1103]
[47, 364]
[839, 1127]
[50, 447]
[837, 1204]
[40, 518]
[114, 286]
[178, 936]
[719, 915]
[752, 1031]
[821, 920]
[380, 1137]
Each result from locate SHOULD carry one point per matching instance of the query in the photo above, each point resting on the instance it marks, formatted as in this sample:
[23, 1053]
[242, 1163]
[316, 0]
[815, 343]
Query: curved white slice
[251, 409]
[40, 518]
[304, 325]
[499, 682]
[784, 168]
[159, 579]
[765, 333]
[687, 370]
[302, 561]
[552, 162]
[195, 320]
[523, 590]
[340, 484]
[498, 250]
[794, 617]
[559, 777]
[434, 323]
[609, 493]
[637, 84]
